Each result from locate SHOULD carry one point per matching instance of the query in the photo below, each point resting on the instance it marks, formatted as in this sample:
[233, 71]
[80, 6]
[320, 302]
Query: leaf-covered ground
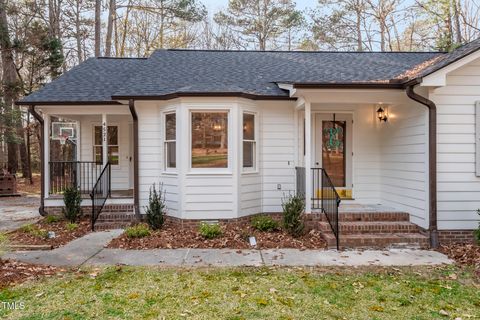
[249, 293]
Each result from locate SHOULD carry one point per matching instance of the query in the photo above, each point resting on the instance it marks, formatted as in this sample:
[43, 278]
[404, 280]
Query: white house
[229, 133]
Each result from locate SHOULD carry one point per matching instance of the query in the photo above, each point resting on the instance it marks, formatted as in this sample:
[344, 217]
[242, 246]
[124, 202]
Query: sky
[215, 5]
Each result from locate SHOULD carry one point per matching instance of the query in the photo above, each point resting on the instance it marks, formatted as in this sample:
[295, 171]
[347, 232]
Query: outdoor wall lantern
[382, 113]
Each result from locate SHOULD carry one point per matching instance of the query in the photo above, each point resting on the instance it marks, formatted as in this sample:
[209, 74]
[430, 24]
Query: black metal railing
[100, 193]
[330, 203]
[67, 174]
[324, 196]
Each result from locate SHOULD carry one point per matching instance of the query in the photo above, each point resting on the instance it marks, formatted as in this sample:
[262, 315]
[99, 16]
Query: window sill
[250, 172]
[169, 173]
[209, 173]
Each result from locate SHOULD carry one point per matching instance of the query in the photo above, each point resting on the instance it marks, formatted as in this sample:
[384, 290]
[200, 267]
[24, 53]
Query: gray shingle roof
[168, 72]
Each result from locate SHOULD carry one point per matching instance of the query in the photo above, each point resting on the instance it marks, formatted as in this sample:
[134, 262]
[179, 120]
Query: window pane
[98, 135]
[248, 154]
[209, 140]
[171, 155]
[98, 154]
[113, 155]
[248, 126]
[112, 135]
[170, 126]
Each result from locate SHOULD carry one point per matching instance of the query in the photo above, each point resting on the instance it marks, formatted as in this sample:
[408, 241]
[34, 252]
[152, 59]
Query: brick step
[118, 208]
[379, 240]
[116, 217]
[369, 227]
[373, 216]
[107, 225]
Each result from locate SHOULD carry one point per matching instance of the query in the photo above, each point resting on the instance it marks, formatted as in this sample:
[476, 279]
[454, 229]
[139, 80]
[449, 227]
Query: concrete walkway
[18, 211]
[90, 250]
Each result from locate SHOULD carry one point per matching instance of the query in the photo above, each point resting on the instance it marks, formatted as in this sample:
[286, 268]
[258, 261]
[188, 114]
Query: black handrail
[330, 203]
[324, 196]
[67, 174]
[100, 193]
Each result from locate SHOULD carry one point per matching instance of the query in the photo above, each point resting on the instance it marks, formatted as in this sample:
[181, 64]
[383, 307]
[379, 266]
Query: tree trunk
[98, 9]
[112, 7]
[78, 32]
[456, 17]
[358, 27]
[10, 87]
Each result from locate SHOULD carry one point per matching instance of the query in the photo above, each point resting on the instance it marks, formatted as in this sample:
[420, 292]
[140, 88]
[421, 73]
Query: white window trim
[213, 109]
[254, 169]
[166, 169]
[109, 124]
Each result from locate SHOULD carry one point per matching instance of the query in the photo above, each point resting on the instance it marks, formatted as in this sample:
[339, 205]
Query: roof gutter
[39, 118]
[432, 157]
[131, 106]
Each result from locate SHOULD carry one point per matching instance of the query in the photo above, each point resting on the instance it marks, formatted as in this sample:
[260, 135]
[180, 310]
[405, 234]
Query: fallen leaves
[12, 272]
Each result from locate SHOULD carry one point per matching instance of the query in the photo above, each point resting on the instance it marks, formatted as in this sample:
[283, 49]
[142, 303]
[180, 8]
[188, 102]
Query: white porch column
[308, 157]
[46, 155]
[104, 140]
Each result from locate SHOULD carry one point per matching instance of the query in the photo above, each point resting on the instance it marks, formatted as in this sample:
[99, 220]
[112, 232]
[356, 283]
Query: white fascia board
[439, 77]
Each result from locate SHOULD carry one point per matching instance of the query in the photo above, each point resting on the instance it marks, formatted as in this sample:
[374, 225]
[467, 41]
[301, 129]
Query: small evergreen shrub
[264, 223]
[51, 219]
[140, 230]
[71, 226]
[210, 230]
[293, 208]
[72, 199]
[156, 208]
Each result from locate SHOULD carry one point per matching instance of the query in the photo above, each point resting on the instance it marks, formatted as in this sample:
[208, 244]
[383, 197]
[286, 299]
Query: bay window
[170, 140]
[249, 144]
[209, 147]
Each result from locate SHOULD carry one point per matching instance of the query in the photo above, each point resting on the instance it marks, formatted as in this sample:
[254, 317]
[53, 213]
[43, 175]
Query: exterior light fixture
[382, 114]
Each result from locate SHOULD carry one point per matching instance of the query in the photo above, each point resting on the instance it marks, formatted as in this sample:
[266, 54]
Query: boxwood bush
[210, 230]
[140, 230]
[293, 208]
[264, 223]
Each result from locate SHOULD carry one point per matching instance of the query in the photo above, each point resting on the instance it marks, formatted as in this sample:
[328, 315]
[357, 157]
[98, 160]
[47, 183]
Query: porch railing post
[308, 157]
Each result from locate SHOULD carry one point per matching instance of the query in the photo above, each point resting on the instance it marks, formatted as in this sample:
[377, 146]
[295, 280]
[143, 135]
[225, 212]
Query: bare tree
[112, 8]
[98, 23]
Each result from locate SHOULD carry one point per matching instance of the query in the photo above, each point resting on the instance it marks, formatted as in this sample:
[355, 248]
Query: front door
[333, 149]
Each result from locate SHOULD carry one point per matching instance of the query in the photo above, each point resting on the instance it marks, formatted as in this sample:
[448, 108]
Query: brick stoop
[375, 230]
[114, 220]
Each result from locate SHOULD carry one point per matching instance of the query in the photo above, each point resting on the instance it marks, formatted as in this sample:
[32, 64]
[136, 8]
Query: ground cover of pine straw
[233, 237]
[35, 233]
[464, 255]
[14, 272]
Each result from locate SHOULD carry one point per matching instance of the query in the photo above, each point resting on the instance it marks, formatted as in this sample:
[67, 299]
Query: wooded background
[41, 39]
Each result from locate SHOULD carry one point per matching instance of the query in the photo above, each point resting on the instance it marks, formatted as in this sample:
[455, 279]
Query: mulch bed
[13, 272]
[62, 234]
[463, 254]
[233, 236]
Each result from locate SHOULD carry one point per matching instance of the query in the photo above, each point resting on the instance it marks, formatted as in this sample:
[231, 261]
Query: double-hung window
[170, 140]
[249, 143]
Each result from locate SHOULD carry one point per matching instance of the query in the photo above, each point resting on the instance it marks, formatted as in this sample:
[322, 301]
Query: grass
[249, 293]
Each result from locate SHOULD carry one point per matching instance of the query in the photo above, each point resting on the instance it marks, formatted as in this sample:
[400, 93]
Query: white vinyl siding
[458, 184]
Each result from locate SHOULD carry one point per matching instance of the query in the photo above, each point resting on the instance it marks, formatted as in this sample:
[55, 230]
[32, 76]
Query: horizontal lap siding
[404, 161]
[277, 154]
[250, 194]
[150, 158]
[458, 186]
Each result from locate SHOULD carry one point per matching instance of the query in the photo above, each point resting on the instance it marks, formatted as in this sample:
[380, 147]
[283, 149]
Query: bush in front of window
[210, 230]
[157, 208]
[293, 208]
[72, 199]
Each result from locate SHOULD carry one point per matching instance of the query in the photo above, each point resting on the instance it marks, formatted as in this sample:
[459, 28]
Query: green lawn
[250, 293]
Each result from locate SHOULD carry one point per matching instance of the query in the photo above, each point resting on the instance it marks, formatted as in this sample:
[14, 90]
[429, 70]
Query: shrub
[51, 219]
[264, 223]
[3, 243]
[293, 208]
[156, 208]
[71, 226]
[210, 230]
[140, 230]
[72, 199]
[35, 231]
